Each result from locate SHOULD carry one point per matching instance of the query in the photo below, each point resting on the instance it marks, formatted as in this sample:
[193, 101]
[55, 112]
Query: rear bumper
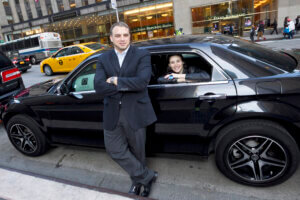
[24, 67]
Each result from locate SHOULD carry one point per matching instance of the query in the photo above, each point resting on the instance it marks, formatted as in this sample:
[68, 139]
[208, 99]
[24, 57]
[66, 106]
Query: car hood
[39, 88]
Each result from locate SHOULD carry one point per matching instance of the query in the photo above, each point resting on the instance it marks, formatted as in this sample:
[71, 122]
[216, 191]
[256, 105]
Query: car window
[75, 50]
[84, 81]
[95, 46]
[62, 53]
[193, 65]
[245, 66]
[263, 54]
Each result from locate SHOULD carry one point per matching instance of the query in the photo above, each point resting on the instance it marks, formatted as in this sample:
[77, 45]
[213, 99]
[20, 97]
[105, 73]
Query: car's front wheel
[25, 136]
[256, 152]
[48, 71]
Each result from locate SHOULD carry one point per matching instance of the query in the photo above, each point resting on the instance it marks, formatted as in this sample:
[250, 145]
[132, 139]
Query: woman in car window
[178, 73]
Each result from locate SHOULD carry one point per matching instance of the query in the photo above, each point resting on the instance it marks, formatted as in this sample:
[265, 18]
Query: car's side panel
[186, 109]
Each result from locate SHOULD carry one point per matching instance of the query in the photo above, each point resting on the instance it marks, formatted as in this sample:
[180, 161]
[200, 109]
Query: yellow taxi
[67, 58]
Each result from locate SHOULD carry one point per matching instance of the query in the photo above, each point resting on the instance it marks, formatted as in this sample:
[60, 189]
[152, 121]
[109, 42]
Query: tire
[32, 60]
[256, 153]
[25, 70]
[47, 70]
[26, 136]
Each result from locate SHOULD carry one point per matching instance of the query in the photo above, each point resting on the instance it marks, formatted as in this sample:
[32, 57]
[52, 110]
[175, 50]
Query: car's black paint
[190, 115]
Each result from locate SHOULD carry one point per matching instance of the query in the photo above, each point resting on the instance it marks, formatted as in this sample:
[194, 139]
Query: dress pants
[127, 147]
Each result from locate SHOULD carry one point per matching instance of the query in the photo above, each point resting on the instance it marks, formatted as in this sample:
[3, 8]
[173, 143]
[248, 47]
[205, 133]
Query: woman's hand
[174, 75]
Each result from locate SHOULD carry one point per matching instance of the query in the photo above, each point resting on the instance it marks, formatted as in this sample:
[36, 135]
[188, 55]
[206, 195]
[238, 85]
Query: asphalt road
[180, 177]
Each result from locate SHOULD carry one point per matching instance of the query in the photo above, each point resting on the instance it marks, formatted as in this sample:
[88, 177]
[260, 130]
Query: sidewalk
[272, 37]
[15, 185]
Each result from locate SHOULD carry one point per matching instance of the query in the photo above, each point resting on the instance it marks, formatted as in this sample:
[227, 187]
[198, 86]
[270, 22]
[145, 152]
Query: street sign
[114, 4]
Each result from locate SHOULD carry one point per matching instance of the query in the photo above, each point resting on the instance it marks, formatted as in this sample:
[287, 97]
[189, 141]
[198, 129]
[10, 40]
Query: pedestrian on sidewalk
[291, 26]
[231, 29]
[122, 76]
[286, 32]
[252, 33]
[261, 30]
[285, 22]
[274, 27]
[297, 25]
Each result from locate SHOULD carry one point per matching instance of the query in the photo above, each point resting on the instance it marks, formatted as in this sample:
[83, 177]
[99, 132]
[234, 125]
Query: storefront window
[145, 23]
[151, 21]
[233, 17]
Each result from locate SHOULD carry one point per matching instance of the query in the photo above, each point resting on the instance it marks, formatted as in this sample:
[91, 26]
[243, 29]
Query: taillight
[10, 74]
[14, 62]
[26, 59]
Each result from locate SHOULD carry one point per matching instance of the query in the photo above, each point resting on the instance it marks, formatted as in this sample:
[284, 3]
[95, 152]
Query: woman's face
[176, 64]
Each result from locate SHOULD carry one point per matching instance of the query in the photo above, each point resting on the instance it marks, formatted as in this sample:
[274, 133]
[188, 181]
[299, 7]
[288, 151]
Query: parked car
[248, 114]
[66, 59]
[10, 79]
[23, 64]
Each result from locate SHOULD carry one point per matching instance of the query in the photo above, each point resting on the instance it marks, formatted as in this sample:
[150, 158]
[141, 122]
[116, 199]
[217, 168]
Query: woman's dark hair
[169, 57]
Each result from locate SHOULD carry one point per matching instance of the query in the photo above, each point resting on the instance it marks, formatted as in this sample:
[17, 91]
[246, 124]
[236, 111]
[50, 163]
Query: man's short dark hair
[122, 24]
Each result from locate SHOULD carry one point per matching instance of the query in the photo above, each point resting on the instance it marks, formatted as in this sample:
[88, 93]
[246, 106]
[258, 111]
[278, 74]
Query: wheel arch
[24, 110]
[289, 126]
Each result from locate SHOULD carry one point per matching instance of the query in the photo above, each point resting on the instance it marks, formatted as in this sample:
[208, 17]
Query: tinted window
[269, 56]
[27, 43]
[245, 66]
[4, 61]
[84, 81]
[95, 46]
[35, 42]
[20, 45]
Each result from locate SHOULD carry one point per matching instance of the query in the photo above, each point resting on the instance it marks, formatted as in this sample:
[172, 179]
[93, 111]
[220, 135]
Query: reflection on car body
[247, 113]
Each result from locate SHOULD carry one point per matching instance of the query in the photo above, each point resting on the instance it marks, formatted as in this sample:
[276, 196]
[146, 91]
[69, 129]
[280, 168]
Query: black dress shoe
[147, 188]
[135, 189]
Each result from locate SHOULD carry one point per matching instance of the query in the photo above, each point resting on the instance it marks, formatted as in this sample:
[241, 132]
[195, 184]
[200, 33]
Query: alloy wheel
[257, 159]
[23, 138]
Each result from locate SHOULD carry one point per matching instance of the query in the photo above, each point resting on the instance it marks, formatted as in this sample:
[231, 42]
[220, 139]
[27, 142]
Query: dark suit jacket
[131, 93]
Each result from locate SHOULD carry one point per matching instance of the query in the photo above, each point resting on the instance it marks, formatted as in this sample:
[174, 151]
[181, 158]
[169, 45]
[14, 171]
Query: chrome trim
[84, 92]
[187, 84]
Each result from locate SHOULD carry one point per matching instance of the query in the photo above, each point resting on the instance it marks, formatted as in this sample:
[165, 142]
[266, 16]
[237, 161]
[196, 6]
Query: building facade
[90, 20]
[85, 20]
[209, 16]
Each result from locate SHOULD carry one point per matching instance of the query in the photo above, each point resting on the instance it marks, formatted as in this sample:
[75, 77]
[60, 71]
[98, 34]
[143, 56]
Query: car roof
[187, 39]
[184, 40]
[81, 44]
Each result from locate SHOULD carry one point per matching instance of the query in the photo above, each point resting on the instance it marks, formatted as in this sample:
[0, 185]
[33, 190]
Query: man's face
[120, 38]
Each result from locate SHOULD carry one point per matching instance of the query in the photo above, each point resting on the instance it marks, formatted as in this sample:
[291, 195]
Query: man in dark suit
[122, 76]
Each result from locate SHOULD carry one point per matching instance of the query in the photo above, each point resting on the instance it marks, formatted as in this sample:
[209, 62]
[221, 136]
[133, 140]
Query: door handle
[212, 96]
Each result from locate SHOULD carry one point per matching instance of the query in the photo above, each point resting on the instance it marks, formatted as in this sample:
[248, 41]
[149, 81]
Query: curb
[72, 183]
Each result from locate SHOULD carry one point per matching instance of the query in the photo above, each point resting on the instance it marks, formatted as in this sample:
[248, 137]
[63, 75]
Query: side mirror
[63, 89]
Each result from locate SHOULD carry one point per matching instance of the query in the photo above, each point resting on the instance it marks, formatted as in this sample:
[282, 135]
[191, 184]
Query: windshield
[4, 61]
[269, 56]
[95, 46]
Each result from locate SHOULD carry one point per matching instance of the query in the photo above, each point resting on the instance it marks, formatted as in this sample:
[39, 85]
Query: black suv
[10, 79]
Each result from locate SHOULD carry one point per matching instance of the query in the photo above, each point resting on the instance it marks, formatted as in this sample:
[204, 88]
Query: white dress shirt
[121, 56]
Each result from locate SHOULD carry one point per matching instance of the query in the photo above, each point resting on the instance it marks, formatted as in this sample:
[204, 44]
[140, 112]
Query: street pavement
[68, 172]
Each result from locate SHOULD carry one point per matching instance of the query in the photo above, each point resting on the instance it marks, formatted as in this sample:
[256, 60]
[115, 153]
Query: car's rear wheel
[33, 60]
[256, 152]
[26, 137]
[48, 71]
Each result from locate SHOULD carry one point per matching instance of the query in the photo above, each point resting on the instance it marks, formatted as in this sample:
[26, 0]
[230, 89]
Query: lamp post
[115, 6]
